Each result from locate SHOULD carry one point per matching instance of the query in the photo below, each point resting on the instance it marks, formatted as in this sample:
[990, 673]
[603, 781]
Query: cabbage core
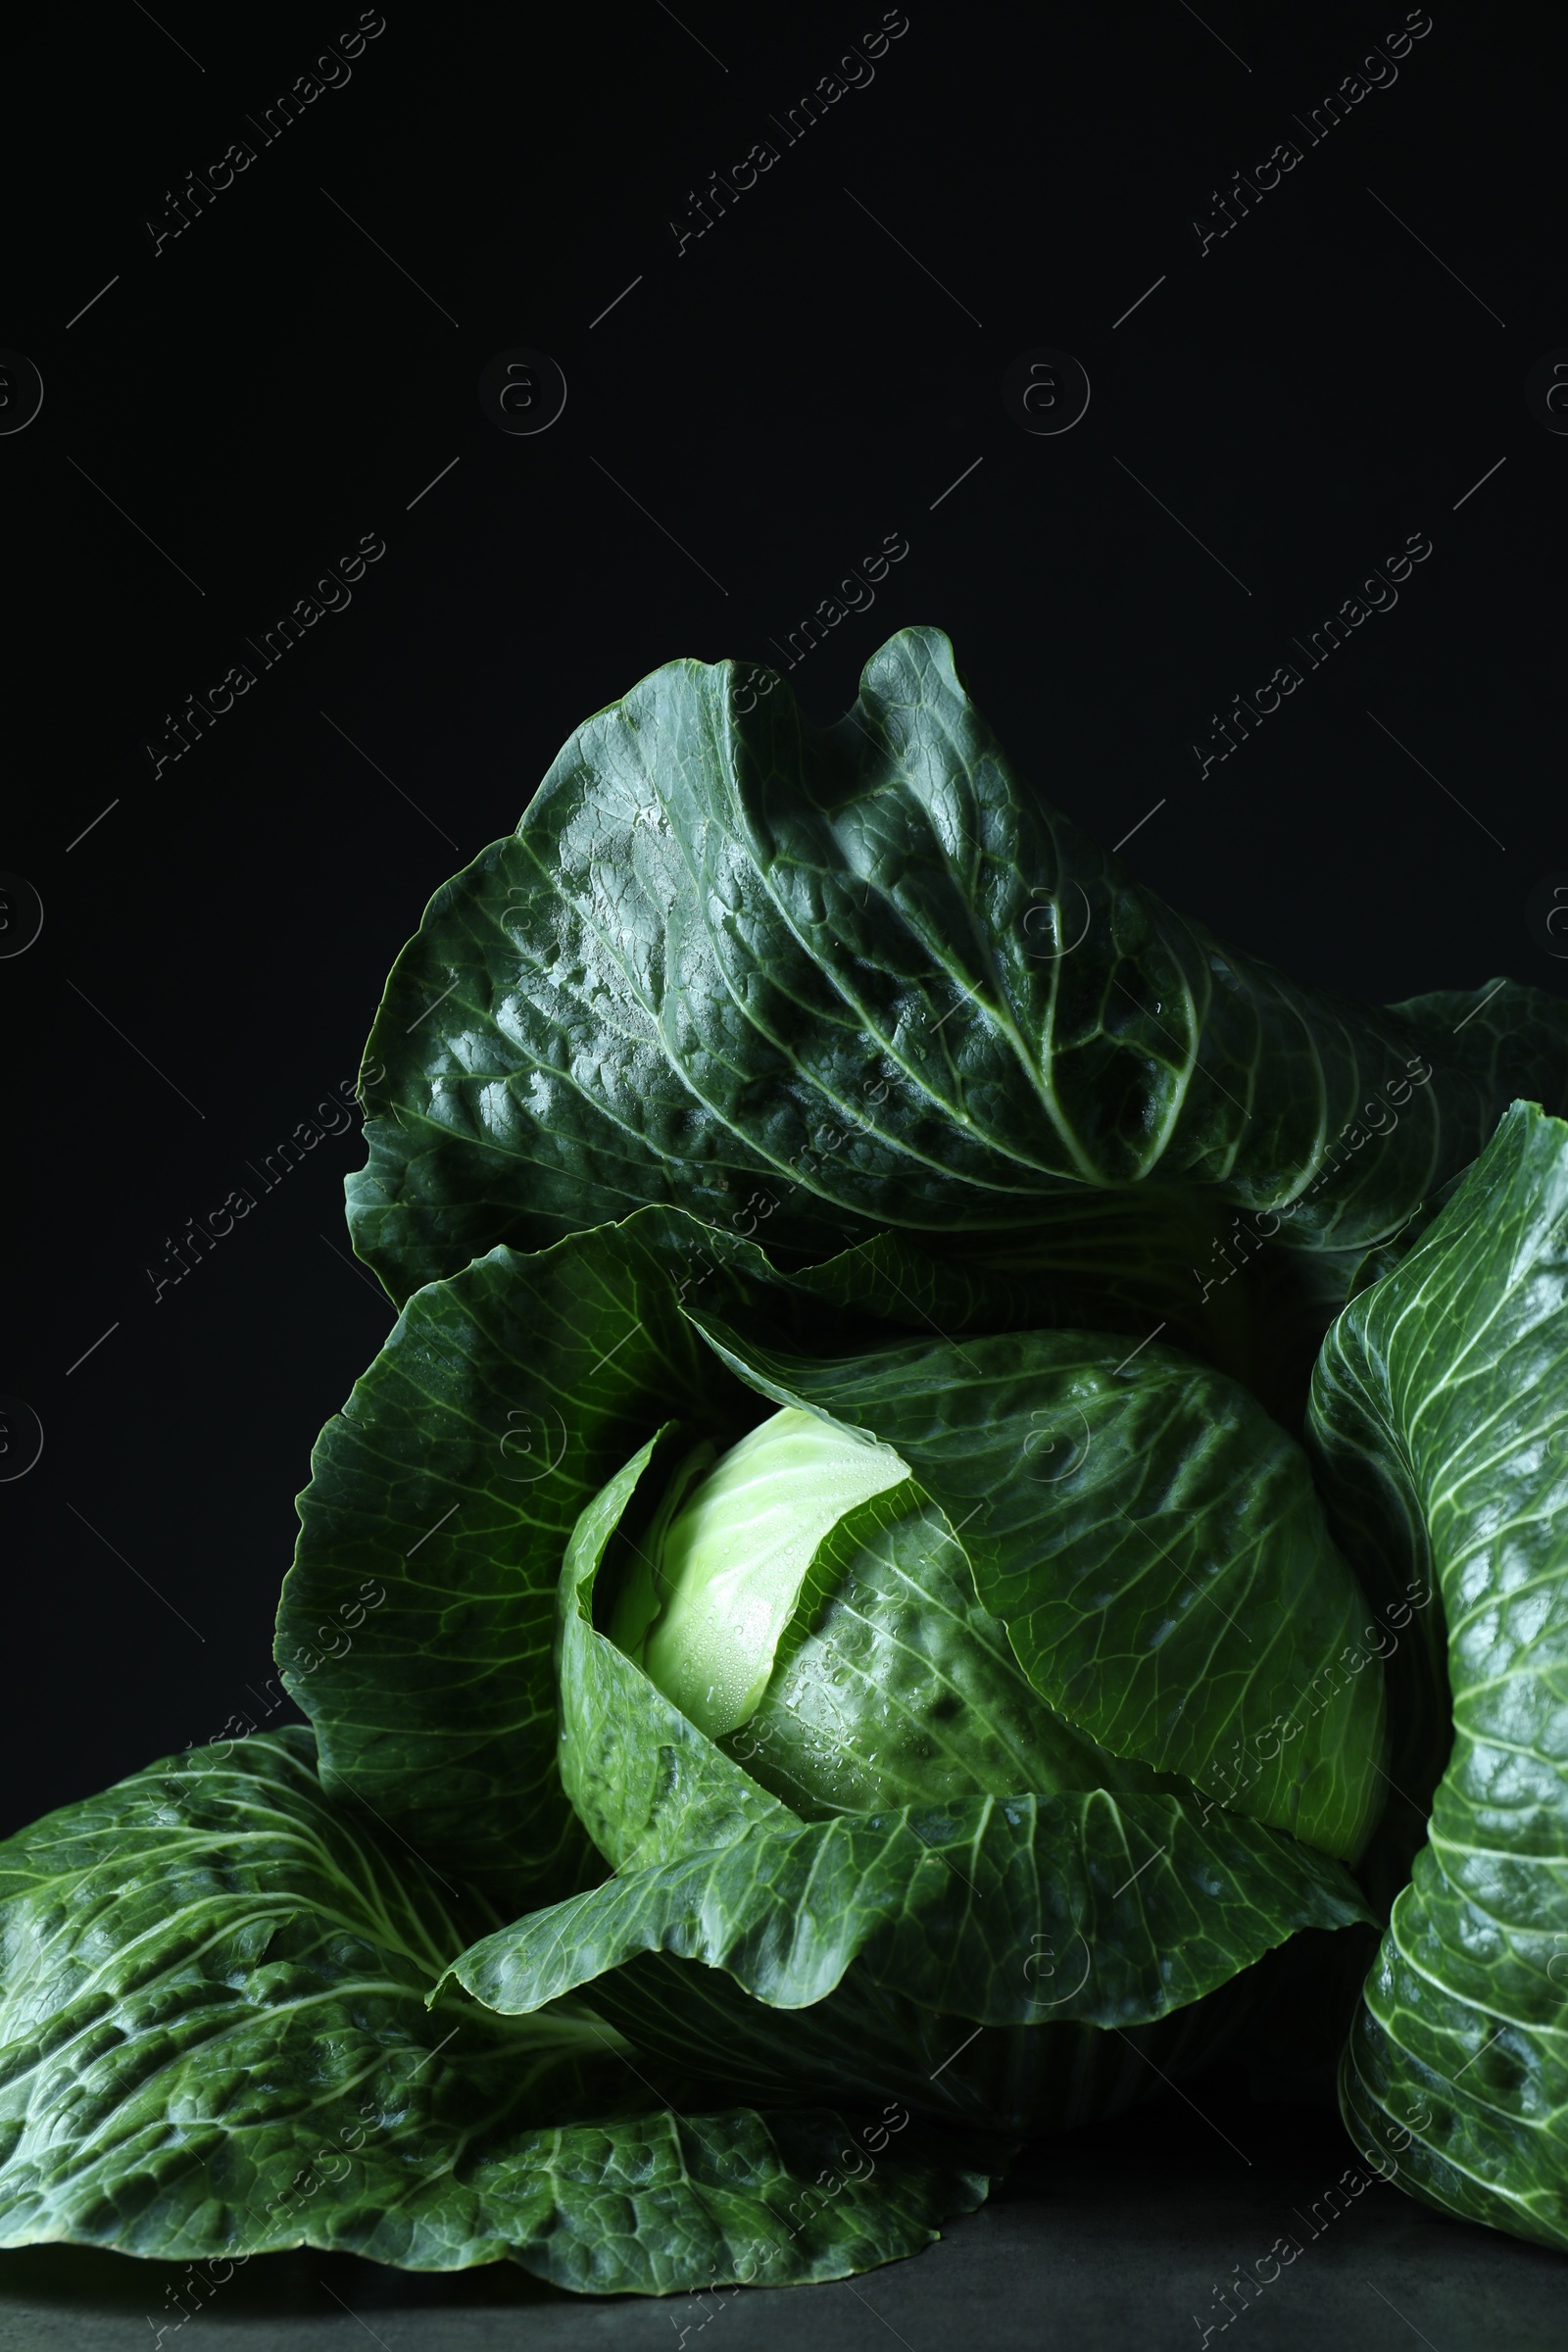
[729, 1570]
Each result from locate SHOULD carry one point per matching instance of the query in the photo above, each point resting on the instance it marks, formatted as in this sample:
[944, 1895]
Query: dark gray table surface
[1114, 2237]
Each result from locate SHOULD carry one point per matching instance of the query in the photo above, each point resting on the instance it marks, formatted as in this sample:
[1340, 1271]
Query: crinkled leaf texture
[1440, 1410]
[450, 1483]
[963, 1909]
[947, 1906]
[505, 1397]
[1152, 1544]
[215, 2041]
[868, 977]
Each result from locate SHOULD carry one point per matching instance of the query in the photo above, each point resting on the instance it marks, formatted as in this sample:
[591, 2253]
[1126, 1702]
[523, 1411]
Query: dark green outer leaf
[1090, 1261]
[856, 977]
[1153, 1545]
[1513, 1039]
[947, 1906]
[450, 1483]
[215, 2041]
[1137, 1259]
[1451, 1374]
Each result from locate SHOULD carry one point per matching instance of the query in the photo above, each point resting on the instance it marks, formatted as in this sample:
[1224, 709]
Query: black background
[743, 426]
